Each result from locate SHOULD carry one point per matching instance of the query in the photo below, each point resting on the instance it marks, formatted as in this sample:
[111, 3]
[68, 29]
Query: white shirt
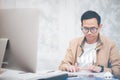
[89, 55]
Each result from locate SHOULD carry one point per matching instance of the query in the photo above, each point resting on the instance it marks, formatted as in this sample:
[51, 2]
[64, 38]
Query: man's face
[91, 29]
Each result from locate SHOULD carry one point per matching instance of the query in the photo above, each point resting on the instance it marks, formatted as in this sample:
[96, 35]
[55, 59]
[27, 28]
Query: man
[93, 52]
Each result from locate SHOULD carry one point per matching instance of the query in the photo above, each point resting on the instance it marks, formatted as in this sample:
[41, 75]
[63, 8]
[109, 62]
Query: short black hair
[91, 14]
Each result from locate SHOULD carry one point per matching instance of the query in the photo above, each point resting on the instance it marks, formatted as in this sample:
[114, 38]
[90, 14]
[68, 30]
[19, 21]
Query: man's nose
[89, 32]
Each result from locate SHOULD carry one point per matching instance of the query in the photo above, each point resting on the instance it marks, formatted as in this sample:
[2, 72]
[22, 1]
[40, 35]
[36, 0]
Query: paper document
[85, 73]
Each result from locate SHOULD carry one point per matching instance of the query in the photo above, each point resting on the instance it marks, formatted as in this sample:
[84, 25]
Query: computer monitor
[3, 44]
[20, 26]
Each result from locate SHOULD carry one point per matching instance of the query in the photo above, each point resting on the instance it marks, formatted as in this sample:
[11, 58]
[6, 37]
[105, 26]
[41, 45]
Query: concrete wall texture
[59, 22]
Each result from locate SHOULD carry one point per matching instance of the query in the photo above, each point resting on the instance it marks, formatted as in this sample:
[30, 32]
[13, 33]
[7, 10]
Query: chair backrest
[3, 43]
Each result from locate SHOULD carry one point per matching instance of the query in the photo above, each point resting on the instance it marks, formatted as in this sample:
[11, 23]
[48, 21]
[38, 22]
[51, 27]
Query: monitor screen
[20, 26]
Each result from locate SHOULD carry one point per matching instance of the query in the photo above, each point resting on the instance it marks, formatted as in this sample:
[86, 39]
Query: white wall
[59, 22]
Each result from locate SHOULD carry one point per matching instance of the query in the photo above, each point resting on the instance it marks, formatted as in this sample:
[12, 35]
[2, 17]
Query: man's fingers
[93, 68]
[73, 68]
[70, 69]
[76, 67]
[90, 68]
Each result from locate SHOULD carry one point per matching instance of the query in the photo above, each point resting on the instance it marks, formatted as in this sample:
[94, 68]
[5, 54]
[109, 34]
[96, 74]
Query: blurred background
[49, 25]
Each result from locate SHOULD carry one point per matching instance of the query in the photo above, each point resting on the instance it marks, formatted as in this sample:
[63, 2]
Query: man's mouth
[89, 36]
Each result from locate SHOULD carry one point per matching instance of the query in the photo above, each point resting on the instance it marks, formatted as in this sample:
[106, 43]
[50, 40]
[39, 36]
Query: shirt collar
[99, 42]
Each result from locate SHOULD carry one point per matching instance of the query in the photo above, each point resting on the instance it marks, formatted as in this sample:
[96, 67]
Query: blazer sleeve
[69, 58]
[115, 60]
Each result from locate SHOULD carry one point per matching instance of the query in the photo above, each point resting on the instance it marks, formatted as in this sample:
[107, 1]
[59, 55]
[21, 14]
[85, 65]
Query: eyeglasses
[92, 29]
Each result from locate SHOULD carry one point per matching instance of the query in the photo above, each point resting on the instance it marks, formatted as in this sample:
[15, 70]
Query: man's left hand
[94, 68]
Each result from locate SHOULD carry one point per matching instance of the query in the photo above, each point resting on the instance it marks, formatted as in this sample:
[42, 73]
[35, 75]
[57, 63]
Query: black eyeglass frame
[92, 29]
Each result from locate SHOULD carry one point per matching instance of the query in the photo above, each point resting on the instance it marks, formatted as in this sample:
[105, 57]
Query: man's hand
[94, 68]
[72, 68]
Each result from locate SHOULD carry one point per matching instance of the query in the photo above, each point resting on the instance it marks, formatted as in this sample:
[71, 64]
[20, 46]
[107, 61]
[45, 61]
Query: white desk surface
[8, 74]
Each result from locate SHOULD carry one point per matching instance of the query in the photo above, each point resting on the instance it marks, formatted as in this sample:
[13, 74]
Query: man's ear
[81, 24]
[101, 25]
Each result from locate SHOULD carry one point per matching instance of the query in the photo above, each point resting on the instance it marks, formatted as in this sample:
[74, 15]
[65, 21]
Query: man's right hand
[72, 68]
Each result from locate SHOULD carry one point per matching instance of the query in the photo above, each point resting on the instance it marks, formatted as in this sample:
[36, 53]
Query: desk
[86, 75]
[8, 74]
[51, 75]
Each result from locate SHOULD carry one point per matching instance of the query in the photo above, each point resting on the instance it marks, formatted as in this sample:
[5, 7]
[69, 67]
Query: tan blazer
[107, 54]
